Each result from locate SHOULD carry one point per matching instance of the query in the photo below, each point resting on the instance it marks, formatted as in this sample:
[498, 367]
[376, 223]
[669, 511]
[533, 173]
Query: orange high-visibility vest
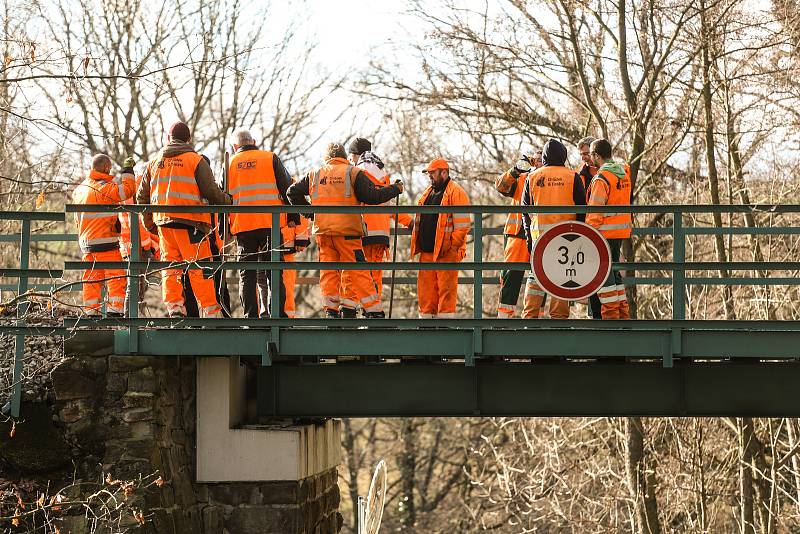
[550, 186]
[513, 227]
[332, 185]
[172, 183]
[616, 225]
[145, 238]
[452, 227]
[99, 232]
[377, 224]
[251, 180]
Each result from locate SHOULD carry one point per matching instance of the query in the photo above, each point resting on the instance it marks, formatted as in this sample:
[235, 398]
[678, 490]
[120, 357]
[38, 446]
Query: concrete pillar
[264, 475]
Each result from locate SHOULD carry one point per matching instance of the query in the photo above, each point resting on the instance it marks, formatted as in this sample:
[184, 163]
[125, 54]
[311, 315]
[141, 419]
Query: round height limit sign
[571, 260]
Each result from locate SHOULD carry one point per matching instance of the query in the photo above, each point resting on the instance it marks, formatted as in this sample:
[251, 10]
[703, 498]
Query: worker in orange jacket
[179, 176]
[611, 186]
[294, 239]
[551, 185]
[337, 183]
[148, 247]
[586, 171]
[510, 184]
[439, 237]
[255, 177]
[99, 233]
[376, 236]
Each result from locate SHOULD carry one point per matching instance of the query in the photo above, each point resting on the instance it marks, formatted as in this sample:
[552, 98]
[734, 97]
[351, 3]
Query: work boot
[330, 314]
[375, 315]
[348, 313]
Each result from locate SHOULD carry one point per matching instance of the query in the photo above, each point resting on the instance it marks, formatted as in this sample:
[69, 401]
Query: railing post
[678, 276]
[477, 256]
[133, 281]
[275, 274]
[22, 309]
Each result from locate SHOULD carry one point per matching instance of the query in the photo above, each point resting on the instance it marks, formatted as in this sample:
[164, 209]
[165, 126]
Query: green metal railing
[265, 335]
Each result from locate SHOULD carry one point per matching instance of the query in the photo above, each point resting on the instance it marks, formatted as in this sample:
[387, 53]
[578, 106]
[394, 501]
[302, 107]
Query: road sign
[571, 260]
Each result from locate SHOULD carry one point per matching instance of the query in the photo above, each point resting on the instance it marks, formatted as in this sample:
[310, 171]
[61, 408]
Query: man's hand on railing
[399, 185]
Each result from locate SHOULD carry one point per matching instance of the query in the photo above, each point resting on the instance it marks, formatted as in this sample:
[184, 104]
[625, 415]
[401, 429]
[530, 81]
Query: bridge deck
[351, 368]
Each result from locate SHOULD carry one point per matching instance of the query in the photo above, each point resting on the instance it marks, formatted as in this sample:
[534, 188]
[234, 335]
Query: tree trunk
[349, 444]
[641, 479]
[407, 462]
[711, 160]
[791, 431]
[746, 454]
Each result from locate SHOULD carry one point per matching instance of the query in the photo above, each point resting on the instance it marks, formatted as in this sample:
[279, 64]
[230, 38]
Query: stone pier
[186, 420]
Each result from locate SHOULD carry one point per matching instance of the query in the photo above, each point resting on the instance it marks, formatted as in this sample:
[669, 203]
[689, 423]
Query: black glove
[128, 164]
[399, 185]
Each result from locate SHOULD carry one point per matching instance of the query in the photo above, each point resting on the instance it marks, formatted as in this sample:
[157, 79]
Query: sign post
[571, 260]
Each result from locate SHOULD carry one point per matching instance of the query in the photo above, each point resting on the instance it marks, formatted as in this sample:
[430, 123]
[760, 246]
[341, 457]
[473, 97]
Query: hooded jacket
[554, 154]
[209, 189]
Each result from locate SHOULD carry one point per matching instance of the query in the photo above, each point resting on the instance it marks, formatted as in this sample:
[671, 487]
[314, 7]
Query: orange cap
[436, 164]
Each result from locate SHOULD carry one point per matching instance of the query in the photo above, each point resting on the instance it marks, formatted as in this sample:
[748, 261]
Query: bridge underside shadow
[319, 368]
[531, 389]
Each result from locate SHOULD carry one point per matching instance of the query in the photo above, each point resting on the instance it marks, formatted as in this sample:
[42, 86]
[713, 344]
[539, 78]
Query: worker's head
[358, 146]
[600, 152]
[242, 137]
[334, 150]
[584, 147]
[536, 159]
[102, 163]
[438, 171]
[554, 153]
[179, 132]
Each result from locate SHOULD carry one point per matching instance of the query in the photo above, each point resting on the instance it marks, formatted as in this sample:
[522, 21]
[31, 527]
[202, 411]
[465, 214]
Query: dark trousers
[254, 245]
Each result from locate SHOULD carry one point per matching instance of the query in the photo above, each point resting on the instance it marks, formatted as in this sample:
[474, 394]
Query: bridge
[670, 366]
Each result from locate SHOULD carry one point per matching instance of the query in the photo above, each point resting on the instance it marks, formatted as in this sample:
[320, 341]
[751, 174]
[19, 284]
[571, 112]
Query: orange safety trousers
[289, 282]
[613, 299]
[347, 289]
[376, 253]
[437, 291]
[114, 279]
[373, 253]
[186, 244]
[534, 298]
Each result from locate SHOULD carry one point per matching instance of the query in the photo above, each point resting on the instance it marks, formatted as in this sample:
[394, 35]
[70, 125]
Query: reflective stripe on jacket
[377, 224]
[452, 228]
[332, 185]
[172, 183]
[550, 186]
[513, 227]
[100, 231]
[608, 189]
[251, 181]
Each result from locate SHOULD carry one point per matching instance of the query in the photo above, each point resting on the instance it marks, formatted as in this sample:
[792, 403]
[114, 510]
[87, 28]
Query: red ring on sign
[590, 233]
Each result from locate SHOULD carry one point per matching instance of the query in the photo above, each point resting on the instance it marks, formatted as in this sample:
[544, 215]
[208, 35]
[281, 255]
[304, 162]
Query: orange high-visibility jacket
[550, 186]
[172, 183]
[452, 228]
[294, 238]
[608, 189]
[513, 226]
[147, 240]
[251, 180]
[377, 224]
[332, 185]
[99, 232]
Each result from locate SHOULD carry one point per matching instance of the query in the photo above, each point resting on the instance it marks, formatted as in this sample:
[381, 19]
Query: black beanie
[359, 146]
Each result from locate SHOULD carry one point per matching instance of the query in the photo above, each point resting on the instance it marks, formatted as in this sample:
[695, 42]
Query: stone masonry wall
[134, 416]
